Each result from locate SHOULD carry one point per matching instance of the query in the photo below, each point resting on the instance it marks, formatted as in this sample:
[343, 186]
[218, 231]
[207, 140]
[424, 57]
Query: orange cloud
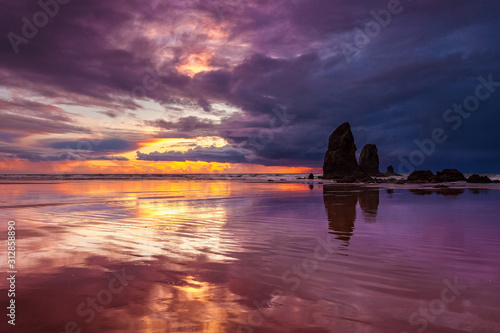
[140, 167]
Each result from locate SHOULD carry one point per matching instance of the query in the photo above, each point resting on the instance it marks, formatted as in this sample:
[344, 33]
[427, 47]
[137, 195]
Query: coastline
[6, 179]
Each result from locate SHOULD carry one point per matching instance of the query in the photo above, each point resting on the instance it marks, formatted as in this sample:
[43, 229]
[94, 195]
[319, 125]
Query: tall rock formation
[340, 158]
[368, 160]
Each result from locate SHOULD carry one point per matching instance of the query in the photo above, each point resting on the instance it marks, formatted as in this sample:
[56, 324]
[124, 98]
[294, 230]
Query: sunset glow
[235, 86]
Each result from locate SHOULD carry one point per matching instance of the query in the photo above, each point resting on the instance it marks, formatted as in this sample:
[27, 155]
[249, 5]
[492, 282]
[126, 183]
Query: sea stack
[450, 175]
[390, 172]
[368, 160]
[340, 158]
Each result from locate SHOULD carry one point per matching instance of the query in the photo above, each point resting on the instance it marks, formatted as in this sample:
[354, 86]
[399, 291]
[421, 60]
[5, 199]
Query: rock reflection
[445, 191]
[369, 201]
[479, 190]
[340, 204]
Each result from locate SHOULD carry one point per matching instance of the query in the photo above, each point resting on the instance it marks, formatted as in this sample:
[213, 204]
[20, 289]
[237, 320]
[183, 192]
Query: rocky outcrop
[368, 160]
[390, 172]
[311, 176]
[340, 164]
[445, 176]
[450, 175]
[477, 179]
[340, 158]
[420, 176]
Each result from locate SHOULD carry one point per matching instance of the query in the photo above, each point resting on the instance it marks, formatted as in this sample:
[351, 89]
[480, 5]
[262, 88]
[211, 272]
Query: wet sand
[218, 256]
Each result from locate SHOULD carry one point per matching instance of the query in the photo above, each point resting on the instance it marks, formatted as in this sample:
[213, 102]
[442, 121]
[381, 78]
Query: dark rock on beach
[450, 175]
[420, 176]
[390, 172]
[311, 176]
[368, 160]
[477, 179]
[341, 165]
[445, 176]
[340, 158]
[347, 180]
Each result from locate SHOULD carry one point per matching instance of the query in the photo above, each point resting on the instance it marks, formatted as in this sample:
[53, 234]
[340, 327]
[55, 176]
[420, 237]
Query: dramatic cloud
[96, 145]
[271, 78]
[32, 125]
[66, 157]
[225, 154]
[183, 124]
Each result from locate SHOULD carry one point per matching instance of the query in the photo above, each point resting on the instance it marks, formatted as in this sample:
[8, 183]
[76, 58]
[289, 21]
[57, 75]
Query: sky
[209, 86]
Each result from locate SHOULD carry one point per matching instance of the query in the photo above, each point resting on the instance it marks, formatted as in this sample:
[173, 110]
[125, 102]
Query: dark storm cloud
[96, 145]
[32, 117]
[226, 154]
[92, 48]
[33, 108]
[394, 90]
[9, 137]
[31, 125]
[33, 157]
[183, 124]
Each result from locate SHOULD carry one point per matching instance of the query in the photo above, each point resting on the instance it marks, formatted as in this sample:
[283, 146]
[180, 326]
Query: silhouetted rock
[368, 160]
[390, 172]
[450, 175]
[420, 176]
[347, 180]
[311, 176]
[477, 179]
[340, 158]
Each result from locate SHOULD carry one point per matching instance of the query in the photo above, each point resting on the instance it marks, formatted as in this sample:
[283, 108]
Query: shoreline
[250, 178]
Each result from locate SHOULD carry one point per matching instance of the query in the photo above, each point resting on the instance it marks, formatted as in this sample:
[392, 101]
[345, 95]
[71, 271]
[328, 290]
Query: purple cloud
[188, 56]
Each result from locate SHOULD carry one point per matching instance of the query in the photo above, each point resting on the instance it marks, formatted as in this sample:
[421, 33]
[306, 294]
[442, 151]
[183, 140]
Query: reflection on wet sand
[479, 190]
[340, 203]
[210, 256]
[446, 191]
[160, 295]
[369, 200]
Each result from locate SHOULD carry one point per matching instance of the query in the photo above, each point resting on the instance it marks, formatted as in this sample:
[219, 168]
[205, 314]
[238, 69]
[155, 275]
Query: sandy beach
[234, 256]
